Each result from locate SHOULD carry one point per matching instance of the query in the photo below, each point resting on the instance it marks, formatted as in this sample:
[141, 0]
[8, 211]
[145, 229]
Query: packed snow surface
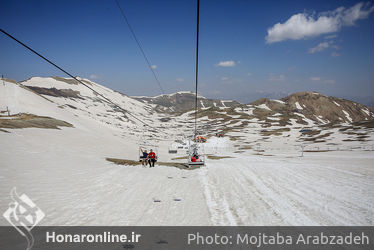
[65, 173]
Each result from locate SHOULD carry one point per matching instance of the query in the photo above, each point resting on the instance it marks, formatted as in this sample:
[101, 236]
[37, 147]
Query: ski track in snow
[286, 195]
[216, 202]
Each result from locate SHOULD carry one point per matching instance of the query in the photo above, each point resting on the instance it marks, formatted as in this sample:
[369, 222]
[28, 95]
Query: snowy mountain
[319, 108]
[183, 101]
[65, 99]
[76, 99]
[49, 102]
[309, 105]
[57, 136]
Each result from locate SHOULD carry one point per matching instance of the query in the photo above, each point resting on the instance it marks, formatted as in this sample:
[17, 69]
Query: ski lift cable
[193, 150]
[75, 78]
[197, 63]
[139, 45]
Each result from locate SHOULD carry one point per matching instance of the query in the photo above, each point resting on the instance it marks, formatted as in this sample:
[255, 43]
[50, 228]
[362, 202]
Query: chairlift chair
[173, 150]
[194, 151]
[219, 133]
[148, 147]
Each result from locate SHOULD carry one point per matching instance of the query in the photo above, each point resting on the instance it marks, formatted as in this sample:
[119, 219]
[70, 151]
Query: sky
[248, 49]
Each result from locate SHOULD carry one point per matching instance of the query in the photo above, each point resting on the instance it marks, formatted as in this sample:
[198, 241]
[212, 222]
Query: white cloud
[322, 46]
[249, 74]
[277, 78]
[335, 54]
[319, 79]
[315, 78]
[303, 25]
[224, 78]
[331, 36]
[226, 64]
[153, 66]
[319, 47]
[179, 80]
[93, 77]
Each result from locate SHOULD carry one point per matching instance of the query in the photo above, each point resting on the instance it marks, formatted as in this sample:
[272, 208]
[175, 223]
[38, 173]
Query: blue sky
[248, 49]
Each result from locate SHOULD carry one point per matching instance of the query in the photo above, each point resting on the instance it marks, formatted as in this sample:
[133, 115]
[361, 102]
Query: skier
[144, 157]
[152, 158]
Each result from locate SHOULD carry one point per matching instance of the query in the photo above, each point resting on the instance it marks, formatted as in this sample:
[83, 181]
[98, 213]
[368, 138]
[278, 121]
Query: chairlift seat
[141, 158]
[200, 162]
[196, 163]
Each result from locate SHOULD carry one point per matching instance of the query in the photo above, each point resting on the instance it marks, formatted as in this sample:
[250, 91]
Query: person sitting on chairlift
[152, 158]
[144, 157]
[195, 157]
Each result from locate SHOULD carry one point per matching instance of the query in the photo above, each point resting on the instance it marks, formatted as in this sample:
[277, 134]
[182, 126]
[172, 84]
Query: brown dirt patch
[125, 162]
[215, 157]
[32, 121]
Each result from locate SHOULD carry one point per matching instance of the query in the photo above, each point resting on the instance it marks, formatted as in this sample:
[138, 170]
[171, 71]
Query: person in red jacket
[152, 158]
[195, 157]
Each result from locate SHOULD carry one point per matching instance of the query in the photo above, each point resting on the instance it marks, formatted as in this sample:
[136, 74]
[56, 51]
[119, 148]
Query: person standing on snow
[152, 158]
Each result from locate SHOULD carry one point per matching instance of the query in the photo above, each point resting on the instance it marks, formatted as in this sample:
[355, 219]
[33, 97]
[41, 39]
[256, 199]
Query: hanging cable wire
[97, 93]
[140, 47]
[197, 63]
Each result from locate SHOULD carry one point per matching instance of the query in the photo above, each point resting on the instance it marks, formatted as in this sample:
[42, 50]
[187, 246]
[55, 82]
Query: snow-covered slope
[254, 175]
[79, 101]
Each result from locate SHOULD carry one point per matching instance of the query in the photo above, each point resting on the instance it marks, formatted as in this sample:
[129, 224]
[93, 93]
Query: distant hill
[313, 106]
[183, 101]
[319, 108]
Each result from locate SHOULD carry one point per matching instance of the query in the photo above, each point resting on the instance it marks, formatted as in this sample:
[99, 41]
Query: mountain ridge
[301, 106]
[301, 118]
